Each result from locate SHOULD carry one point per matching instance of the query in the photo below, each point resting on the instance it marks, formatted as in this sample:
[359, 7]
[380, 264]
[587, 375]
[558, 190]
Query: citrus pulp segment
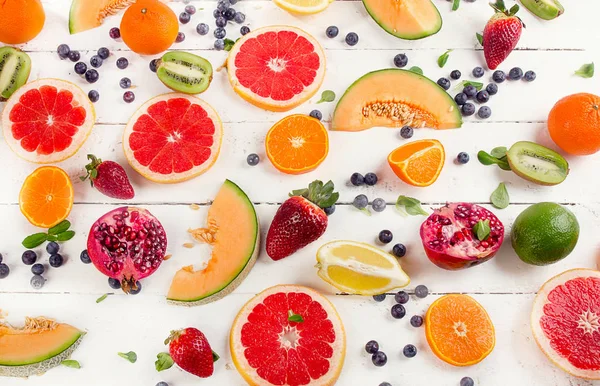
[418, 163]
[303, 7]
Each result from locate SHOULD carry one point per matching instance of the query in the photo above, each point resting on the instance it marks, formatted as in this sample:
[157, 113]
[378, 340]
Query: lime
[544, 233]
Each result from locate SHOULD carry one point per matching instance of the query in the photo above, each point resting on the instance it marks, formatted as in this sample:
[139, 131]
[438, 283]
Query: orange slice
[459, 330]
[46, 196]
[297, 144]
[418, 163]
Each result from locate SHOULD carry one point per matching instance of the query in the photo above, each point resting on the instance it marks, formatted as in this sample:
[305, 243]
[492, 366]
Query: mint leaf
[499, 152]
[228, 44]
[71, 363]
[410, 205]
[477, 85]
[488, 159]
[482, 229]
[163, 362]
[586, 71]
[499, 197]
[295, 317]
[101, 298]
[63, 226]
[65, 236]
[479, 38]
[443, 58]
[327, 96]
[130, 356]
[416, 70]
[455, 4]
[34, 240]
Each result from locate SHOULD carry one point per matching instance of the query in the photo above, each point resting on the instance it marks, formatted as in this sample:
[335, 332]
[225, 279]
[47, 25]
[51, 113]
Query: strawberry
[190, 350]
[109, 178]
[300, 220]
[501, 34]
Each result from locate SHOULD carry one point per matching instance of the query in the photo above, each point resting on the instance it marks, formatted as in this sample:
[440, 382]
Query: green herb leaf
[130, 356]
[410, 205]
[71, 363]
[455, 4]
[479, 38]
[499, 197]
[295, 317]
[63, 226]
[327, 96]
[34, 240]
[487, 159]
[216, 356]
[416, 70]
[163, 362]
[443, 58]
[465, 83]
[228, 44]
[499, 152]
[101, 298]
[482, 229]
[52, 238]
[65, 236]
[586, 71]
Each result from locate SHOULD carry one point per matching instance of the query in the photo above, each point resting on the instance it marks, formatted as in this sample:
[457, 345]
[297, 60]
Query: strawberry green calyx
[321, 195]
[174, 335]
[500, 7]
[91, 169]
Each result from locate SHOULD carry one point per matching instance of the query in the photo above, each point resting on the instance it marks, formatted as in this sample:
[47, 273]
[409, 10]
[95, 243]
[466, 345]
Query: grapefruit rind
[303, 10]
[538, 310]
[237, 350]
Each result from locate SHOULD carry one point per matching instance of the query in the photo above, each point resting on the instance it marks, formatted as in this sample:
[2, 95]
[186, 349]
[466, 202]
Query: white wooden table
[505, 286]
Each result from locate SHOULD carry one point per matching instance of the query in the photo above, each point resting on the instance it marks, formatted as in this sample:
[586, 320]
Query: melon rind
[393, 29]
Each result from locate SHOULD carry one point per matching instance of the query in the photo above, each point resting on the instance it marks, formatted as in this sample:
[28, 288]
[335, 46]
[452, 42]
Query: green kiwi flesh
[15, 67]
[185, 72]
[537, 163]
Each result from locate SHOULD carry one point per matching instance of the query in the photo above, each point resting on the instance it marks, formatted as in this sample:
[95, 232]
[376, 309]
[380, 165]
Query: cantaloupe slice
[406, 19]
[234, 233]
[37, 347]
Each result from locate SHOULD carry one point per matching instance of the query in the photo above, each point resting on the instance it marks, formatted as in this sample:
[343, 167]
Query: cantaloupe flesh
[235, 245]
[88, 14]
[428, 104]
[406, 19]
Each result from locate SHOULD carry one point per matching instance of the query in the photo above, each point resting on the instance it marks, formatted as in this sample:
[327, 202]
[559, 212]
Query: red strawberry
[109, 178]
[191, 351]
[501, 34]
[300, 220]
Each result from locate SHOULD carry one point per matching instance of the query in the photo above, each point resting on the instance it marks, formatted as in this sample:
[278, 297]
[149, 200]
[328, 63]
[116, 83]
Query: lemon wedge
[359, 268]
[303, 7]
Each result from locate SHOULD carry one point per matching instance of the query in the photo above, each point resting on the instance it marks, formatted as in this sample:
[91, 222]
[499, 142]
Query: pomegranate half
[127, 244]
[450, 242]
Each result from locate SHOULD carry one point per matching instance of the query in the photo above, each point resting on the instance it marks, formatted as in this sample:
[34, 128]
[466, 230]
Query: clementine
[418, 163]
[20, 20]
[149, 27]
[574, 124]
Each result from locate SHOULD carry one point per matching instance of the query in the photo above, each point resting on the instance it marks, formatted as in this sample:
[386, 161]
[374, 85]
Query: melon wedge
[395, 98]
[405, 19]
[37, 347]
[234, 233]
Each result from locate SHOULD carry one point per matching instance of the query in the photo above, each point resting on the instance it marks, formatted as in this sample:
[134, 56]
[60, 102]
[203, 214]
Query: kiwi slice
[15, 67]
[185, 72]
[537, 163]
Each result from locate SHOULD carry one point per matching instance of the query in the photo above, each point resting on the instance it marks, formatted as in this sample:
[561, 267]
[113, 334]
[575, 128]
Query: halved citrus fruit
[277, 67]
[459, 330]
[288, 335]
[297, 144]
[46, 197]
[172, 138]
[303, 7]
[418, 163]
[359, 268]
[47, 120]
[566, 322]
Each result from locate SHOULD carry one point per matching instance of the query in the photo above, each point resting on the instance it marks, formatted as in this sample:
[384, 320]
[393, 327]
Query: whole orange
[574, 124]
[149, 27]
[20, 20]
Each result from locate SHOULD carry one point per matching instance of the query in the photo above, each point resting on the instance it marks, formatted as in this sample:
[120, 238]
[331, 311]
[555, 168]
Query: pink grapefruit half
[276, 68]
[172, 138]
[47, 121]
[268, 349]
[566, 322]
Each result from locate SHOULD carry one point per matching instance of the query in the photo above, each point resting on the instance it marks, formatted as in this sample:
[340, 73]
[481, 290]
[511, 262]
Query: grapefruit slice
[269, 349]
[276, 68]
[566, 322]
[172, 138]
[47, 121]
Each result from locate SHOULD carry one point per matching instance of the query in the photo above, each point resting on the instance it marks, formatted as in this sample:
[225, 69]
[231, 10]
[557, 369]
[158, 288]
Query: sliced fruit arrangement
[88, 14]
[190, 350]
[149, 27]
[234, 234]
[15, 66]
[109, 178]
[395, 98]
[544, 9]
[408, 19]
[276, 68]
[297, 144]
[574, 123]
[537, 163]
[184, 72]
[288, 335]
[359, 268]
[300, 220]
[47, 121]
[418, 163]
[173, 138]
[501, 34]
[303, 7]
[566, 322]
[459, 330]
[461, 235]
[37, 347]
[21, 21]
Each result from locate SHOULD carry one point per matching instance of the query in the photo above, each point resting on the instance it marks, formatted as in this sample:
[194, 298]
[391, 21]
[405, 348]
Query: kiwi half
[185, 72]
[537, 163]
[15, 66]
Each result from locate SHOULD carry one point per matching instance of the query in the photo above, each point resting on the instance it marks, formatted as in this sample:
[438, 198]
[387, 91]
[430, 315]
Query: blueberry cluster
[351, 38]
[29, 257]
[223, 14]
[361, 201]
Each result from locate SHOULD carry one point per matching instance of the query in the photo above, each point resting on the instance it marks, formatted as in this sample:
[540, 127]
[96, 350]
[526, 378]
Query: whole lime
[544, 233]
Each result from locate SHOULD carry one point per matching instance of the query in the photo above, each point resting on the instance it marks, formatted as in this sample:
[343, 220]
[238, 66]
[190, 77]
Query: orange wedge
[459, 330]
[418, 163]
[46, 196]
[297, 144]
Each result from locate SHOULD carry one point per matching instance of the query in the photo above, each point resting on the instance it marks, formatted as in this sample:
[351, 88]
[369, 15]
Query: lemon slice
[303, 7]
[359, 268]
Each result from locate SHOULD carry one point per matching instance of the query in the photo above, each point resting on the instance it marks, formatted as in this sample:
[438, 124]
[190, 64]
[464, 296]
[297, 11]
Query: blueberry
[122, 63]
[455, 75]
[52, 247]
[93, 96]
[220, 33]
[484, 112]
[399, 250]
[37, 269]
[467, 381]
[421, 291]
[253, 159]
[180, 37]
[184, 17]
[230, 14]
[499, 76]
[483, 96]
[103, 52]
[329, 210]
[385, 236]
[74, 56]
[379, 359]
[220, 21]
[137, 290]
[202, 28]
[29, 257]
[379, 298]
[385, 384]
[409, 351]
[416, 321]
[162, 384]
[515, 73]
[372, 347]
[332, 31]
[1, 258]
[470, 90]
[357, 179]
[85, 257]
[370, 179]
[4, 271]
[401, 297]
[468, 109]
[114, 33]
[233, 2]
[351, 39]
[530, 76]
[406, 132]
[360, 202]
[244, 30]
[461, 98]
[190, 9]
[316, 114]
[492, 88]
[125, 83]
[398, 311]
[462, 158]
[378, 205]
[96, 61]
[153, 65]
[217, 13]
[56, 260]
[239, 17]
[37, 281]
[128, 96]
[400, 60]
[478, 72]
[219, 45]
[222, 5]
[444, 83]
[114, 283]
[63, 51]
